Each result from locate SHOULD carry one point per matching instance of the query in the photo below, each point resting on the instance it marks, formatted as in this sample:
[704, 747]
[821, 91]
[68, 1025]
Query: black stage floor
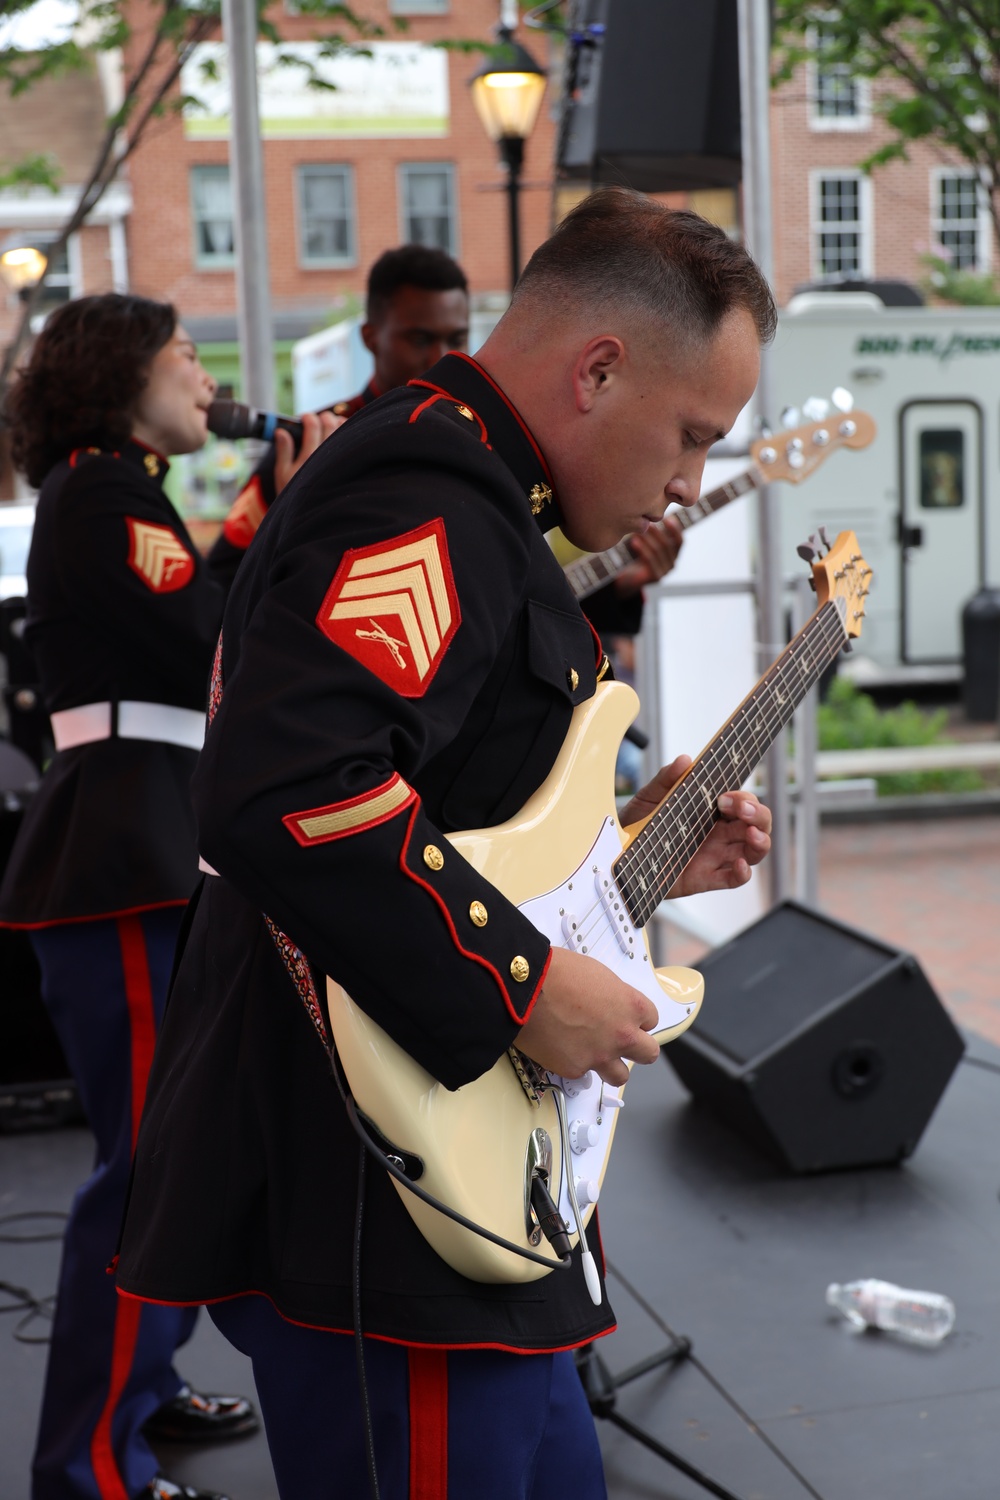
[779, 1400]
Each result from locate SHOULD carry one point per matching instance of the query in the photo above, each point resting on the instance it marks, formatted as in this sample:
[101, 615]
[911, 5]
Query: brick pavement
[932, 887]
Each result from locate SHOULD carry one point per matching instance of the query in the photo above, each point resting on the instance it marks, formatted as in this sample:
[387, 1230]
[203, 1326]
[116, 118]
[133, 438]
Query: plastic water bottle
[920, 1317]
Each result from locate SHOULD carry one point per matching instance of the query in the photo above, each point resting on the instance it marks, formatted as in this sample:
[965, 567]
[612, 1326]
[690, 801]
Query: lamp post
[21, 266]
[507, 96]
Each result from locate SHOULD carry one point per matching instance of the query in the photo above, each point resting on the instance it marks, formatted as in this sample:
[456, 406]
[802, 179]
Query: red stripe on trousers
[142, 1036]
[428, 1424]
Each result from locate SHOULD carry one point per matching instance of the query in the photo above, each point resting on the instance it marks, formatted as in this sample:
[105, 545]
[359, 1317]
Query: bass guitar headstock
[796, 452]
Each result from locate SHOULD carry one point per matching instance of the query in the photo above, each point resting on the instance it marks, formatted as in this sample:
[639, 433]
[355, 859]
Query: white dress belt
[136, 721]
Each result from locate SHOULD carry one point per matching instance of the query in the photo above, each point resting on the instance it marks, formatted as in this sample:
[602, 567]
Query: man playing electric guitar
[400, 660]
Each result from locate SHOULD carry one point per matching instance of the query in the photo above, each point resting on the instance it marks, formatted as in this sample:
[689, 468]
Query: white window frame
[419, 7]
[983, 221]
[332, 262]
[451, 168]
[865, 223]
[203, 262]
[861, 119]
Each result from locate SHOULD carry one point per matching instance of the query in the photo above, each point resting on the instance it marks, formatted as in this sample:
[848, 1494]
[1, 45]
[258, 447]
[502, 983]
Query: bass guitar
[791, 455]
[590, 885]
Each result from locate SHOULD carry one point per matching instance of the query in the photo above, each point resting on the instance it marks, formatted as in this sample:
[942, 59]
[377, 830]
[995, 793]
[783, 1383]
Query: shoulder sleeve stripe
[320, 825]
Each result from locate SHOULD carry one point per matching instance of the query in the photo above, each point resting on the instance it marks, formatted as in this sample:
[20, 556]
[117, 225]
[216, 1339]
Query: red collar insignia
[394, 607]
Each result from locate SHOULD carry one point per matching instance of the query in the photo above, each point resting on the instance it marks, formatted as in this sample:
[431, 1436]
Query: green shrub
[850, 720]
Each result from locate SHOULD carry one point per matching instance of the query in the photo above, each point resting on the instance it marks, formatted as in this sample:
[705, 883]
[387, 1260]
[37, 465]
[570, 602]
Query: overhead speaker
[822, 1046]
[651, 98]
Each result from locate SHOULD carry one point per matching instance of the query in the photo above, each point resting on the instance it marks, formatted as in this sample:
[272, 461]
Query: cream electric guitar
[790, 455]
[589, 885]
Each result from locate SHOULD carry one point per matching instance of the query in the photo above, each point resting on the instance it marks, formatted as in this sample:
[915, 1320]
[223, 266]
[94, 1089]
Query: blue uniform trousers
[448, 1424]
[104, 984]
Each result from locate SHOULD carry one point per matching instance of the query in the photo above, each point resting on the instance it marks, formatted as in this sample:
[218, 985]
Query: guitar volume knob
[574, 1086]
[588, 1190]
[582, 1136]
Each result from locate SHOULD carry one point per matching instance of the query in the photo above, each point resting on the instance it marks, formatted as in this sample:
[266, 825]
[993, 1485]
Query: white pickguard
[586, 915]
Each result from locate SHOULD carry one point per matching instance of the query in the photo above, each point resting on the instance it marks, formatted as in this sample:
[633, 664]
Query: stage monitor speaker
[822, 1046]
[652, 95]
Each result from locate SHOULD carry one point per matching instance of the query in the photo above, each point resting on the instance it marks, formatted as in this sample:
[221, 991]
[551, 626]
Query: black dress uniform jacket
[352, 732]
[120, 607]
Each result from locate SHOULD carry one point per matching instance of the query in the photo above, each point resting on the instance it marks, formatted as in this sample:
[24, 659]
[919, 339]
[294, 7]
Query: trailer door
[940, 524]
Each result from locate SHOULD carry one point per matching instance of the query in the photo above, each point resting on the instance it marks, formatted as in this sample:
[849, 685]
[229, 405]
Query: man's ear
[368, 336]
[596, 368]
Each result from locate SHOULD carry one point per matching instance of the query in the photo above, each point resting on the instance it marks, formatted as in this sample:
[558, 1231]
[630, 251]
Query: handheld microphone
[233, 419]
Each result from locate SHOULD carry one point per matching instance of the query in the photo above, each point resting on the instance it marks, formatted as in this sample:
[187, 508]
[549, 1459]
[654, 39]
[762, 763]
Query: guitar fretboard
[646, 870]
[592, 572]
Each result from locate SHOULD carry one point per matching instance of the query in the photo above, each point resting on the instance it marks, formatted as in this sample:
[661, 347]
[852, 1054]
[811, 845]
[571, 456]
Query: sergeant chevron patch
[394, 608]
[245, 515]
[159, 556]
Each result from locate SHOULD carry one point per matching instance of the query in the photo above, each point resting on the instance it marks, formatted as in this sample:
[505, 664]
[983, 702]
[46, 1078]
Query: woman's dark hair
[83, 377]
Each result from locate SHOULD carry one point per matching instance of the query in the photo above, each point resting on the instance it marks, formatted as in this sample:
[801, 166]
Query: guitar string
[758, 712]
[713, 762]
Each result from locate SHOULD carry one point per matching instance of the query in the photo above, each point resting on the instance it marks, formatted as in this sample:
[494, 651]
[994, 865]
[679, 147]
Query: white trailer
[924, 497]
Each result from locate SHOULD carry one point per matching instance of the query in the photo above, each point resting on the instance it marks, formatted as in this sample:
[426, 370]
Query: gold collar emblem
[539, 497]
[151, 464]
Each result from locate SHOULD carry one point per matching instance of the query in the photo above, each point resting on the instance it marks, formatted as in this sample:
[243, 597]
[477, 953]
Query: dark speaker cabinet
[824, 1047]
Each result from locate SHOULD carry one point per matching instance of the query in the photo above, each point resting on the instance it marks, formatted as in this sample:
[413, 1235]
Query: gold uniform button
[519, 969]
[478, 913]
[150, 463]
[340, 410]
[433, 858]
[463, 411]
[573, 678]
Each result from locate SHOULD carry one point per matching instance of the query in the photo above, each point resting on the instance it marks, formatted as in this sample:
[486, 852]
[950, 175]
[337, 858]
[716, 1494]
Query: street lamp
[507, 96]
[21, 266]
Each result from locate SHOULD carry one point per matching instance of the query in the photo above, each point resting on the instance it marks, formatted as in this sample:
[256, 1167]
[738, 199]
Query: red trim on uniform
[141, 1016]
[449, 396]
[428, 1370]
[291, 820]
[513, 411]
[439, 394]
[383, 1338]
[597, 640]
[102, 1457]
[77, 451]
[465, 952]
[99, 916]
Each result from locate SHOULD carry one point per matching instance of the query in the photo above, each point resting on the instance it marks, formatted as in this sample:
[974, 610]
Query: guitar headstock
[841, 575]
[793, 455]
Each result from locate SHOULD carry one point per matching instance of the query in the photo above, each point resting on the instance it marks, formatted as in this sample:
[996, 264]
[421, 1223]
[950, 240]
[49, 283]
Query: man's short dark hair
[411, 265]
[621, 251]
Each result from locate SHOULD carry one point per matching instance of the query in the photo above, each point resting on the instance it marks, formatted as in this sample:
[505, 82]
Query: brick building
[339, 190]
[832, 222]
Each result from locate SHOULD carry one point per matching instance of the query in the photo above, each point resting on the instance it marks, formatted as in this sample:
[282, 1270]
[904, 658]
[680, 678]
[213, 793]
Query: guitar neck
[651, 863]
[590, 573]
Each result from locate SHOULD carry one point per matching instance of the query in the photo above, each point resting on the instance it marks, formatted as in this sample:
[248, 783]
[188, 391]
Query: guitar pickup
[615, 911]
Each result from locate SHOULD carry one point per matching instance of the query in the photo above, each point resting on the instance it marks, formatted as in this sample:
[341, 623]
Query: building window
[837, 100]
[840, 227]
[212, 211]
[428, 201]
[961, 226]
[418, 7]
[326, 216]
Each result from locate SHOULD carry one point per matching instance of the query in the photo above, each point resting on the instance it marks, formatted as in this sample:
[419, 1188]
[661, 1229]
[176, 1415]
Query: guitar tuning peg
[824, 538]
[762, 425]
[807, 551]
[790, 417]
[842, 399]
[815, 409]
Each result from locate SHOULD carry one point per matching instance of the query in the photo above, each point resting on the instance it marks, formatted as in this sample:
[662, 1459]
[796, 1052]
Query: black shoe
[190, 1418]
[165, 1489]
